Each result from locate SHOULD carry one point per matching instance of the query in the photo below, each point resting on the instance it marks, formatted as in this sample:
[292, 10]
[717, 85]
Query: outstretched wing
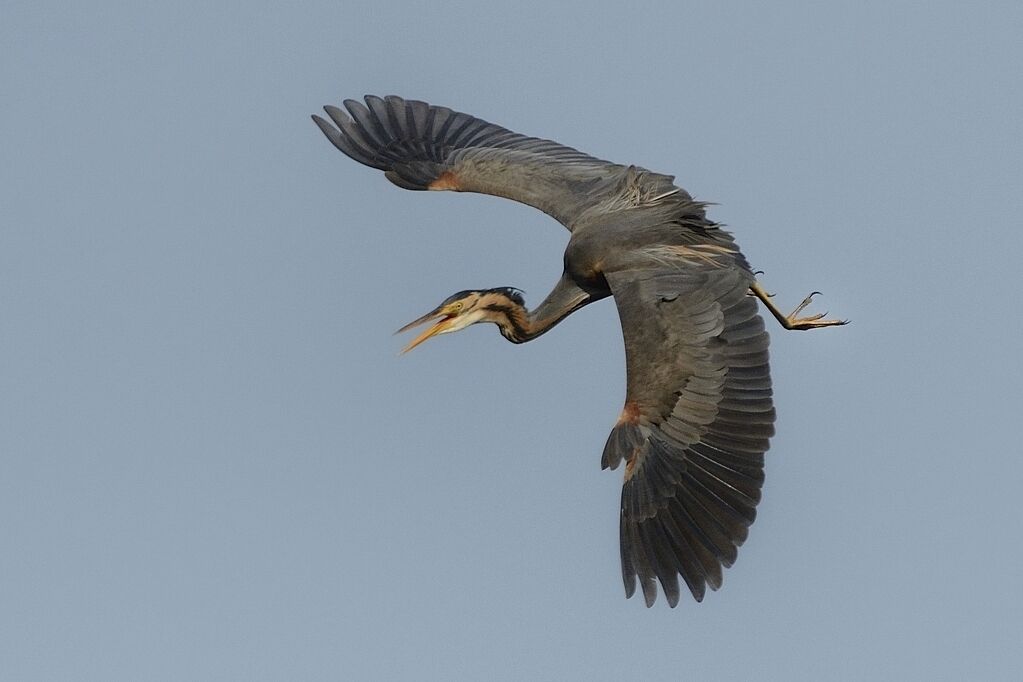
[419, 146]
[697, 420]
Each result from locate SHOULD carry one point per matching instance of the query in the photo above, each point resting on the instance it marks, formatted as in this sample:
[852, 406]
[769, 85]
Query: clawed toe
[792, 320]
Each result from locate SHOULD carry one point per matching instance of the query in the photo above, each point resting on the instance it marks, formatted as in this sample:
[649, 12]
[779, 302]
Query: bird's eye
[457, 306]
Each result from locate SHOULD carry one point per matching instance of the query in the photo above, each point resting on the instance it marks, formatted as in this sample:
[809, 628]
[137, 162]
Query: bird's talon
[810, 321]
[793, 320]
[799, 308]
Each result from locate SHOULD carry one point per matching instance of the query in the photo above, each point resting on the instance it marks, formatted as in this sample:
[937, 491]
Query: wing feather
[698, 420]
[420, 146]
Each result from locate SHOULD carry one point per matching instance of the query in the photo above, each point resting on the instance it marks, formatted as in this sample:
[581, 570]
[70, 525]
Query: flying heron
[698, 411]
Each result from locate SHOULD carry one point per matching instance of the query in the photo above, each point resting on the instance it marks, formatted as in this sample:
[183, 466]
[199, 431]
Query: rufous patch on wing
[446, 180]
[630, 413]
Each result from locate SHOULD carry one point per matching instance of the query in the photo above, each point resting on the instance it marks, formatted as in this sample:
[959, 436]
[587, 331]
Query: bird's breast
[585, 258]
[606, 246]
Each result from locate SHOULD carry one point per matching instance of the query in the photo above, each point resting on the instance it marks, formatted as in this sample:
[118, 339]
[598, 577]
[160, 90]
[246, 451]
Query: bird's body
[698, 411]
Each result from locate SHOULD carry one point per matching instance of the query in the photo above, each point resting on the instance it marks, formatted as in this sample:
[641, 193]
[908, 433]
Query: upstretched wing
[696, 423]
[419, 146]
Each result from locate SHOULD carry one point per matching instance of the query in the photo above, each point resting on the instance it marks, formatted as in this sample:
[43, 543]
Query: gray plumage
[698, 409]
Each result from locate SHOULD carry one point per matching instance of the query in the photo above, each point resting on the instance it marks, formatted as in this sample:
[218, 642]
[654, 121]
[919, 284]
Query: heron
[698, 413]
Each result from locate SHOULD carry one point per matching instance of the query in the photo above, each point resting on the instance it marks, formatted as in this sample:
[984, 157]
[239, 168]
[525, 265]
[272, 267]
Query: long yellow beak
[444, 321]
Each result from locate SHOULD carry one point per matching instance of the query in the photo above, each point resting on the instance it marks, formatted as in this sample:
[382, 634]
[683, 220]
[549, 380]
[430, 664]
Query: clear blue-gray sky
[214, 465]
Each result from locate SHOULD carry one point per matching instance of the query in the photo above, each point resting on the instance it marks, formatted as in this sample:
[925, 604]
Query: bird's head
[504, 306]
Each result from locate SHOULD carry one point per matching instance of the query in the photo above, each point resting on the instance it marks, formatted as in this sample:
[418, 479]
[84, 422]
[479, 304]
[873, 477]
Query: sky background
[214, 465]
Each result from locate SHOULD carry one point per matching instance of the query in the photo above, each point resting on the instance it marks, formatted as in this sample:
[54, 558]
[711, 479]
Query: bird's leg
[791, 321]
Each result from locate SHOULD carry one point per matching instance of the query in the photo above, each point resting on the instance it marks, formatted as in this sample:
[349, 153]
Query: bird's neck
[507, 309]
[515, 322]
[518, 325]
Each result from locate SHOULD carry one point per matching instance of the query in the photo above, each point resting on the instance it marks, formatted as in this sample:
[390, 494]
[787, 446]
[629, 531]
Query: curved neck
[518, 325]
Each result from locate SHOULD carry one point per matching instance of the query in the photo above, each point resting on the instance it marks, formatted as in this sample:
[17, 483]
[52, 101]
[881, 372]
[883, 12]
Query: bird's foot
[792, 320]
[812, 321]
